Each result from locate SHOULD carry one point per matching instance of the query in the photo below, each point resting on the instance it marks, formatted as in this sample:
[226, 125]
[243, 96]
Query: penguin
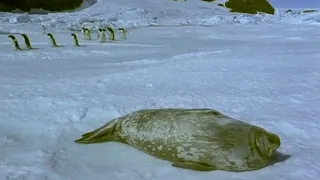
[43, 29]
[123, 33]
[15, 42]
[52, 40]
[27, 41]
[87, 34]
[111, 33]
[102, 35]
[99, 30]
[83, 32]
[75, 40]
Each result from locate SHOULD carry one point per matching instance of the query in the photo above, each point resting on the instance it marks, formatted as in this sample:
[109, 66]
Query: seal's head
[266, 143]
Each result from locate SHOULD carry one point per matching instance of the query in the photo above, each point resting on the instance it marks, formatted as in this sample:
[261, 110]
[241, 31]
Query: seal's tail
[100, 135]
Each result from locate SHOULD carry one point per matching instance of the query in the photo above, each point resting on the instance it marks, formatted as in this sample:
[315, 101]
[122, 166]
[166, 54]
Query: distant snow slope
[143, 13]
[295, 3]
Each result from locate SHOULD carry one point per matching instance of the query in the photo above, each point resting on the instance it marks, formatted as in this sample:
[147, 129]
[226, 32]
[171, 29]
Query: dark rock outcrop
[250, 6]
[241, 6]
[50, 5]
[247, 6]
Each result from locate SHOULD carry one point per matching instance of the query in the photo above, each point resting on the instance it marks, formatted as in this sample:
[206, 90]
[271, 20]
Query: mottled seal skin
[197, 139]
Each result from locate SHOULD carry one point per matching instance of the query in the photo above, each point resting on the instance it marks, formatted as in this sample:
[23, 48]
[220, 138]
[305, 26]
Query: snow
[295, 3]
[146, 13]
[262, 69]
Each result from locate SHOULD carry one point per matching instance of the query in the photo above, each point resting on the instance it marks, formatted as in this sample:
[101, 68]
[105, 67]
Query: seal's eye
[271, 140]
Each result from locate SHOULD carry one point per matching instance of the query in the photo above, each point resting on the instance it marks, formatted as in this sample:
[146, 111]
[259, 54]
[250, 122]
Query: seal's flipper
[102, 134]
[87, 134]
[97, 139]
[194, 166]
[107, 128]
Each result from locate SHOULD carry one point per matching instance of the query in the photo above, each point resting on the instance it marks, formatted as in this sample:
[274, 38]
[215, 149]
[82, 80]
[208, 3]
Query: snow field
[263, 74]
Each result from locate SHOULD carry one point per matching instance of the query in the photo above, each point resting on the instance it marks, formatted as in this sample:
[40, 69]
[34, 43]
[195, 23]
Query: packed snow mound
[145, 13]
[301, 16]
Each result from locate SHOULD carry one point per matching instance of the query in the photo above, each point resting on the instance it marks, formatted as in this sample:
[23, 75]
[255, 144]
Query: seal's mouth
[273, 142]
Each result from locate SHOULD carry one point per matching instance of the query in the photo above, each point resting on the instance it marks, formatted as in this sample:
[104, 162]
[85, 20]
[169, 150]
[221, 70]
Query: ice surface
[264, 73]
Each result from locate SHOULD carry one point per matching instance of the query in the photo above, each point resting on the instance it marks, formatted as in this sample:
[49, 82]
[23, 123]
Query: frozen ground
[266, 74]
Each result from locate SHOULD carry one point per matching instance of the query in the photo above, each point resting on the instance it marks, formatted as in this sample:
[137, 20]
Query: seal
[196, 139]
